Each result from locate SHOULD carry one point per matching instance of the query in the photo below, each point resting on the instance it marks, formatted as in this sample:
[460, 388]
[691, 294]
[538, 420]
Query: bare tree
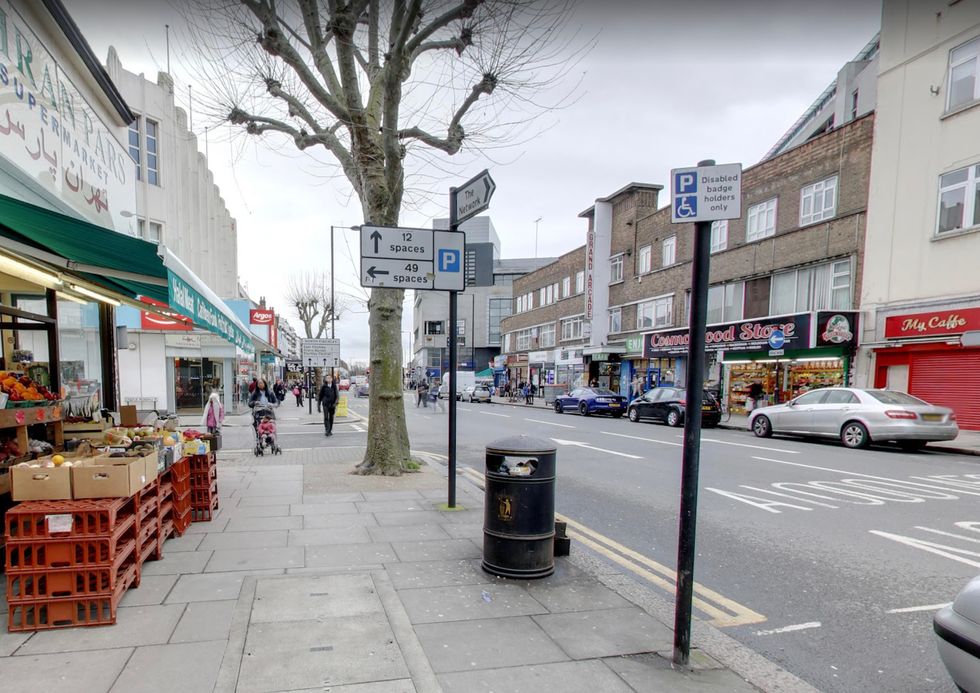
[309, 295]
[371, 83]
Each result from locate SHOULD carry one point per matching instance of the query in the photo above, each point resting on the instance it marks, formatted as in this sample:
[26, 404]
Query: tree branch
[455, 133]
[462, 11]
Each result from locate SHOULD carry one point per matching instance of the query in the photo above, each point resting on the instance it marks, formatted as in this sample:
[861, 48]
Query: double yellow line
[718, 610]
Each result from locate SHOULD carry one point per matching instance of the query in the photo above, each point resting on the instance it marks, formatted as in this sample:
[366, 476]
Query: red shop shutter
[949, 379]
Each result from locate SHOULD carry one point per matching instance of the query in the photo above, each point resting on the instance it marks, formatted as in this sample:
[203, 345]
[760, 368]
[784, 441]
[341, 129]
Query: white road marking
[651, 440]
[458, 408]
[913, 609]
[549, 423]
[789, 629]
[930, 547]
[576, 443]
[747, 445]
[949, 534]
[490, 413]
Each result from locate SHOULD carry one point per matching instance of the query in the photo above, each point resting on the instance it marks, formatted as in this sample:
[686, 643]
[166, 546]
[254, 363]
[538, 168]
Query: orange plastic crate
[182, 521]
[69, 582]
[95, 517]
[71, 552]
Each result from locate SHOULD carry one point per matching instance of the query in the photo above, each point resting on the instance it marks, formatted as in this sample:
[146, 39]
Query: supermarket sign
[191, 303]
[747, 335]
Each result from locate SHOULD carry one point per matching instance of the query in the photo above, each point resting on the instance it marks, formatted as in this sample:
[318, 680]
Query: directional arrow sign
[589, 447]
[396, 274]
[396, 243]
[473, 196]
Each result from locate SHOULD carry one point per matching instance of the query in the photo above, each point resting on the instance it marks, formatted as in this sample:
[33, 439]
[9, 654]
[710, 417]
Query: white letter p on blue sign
[686, 182]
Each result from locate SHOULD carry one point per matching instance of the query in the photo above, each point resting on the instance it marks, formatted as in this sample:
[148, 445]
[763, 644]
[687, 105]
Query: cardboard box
[128, 417]
[109, 477]
[196, 447]
[40, 483]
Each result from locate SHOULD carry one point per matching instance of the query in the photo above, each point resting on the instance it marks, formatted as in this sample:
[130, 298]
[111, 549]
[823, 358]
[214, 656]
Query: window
[542, 297]
[656, 313]
[840, 285]
[645, 261]
[155, 232]
[959, 200]
[725, 302]
[963, 85]
[719, 235]
[841, 397]
[669, 251]
[811, 397]
[134, 146]
[497, 310]
[616, 269]
[152, 152]
[434, 327]
[854, 104]
[818, 201]
[507, 343]
[579, 282]
[566, 287]
[523, 340]
[762, 221]
[822, 287]
[615, 320]
[546, 336]
[571, 328]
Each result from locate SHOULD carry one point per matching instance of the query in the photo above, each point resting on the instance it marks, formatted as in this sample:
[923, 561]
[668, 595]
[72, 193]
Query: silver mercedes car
[858, 417]
[957, 629]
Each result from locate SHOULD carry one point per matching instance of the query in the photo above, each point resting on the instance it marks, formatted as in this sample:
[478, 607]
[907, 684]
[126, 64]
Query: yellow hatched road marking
[722, 611]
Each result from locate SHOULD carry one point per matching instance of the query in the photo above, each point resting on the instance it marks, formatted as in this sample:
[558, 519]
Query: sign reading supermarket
[746, 335]
[189, 302]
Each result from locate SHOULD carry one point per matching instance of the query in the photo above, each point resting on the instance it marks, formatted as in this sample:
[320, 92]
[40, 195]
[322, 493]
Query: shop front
[517, 369]
[541, 369]
[934, 356]
[570, 369]
[605, 367]
[784, 355]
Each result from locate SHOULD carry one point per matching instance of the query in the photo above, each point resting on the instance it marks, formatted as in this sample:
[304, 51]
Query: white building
[921, 292]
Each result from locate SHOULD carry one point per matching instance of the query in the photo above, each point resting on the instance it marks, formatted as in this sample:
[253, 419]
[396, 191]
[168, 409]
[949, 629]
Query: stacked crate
[148, 539]
[204, 486]
[180, 481]
[69, 562]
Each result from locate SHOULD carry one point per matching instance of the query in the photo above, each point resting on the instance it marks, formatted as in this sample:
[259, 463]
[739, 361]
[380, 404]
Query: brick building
[791, 263]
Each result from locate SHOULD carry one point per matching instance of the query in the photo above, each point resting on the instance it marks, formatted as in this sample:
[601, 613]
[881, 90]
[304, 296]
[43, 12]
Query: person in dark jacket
[327, 401]
[262, 394]
[279, 390]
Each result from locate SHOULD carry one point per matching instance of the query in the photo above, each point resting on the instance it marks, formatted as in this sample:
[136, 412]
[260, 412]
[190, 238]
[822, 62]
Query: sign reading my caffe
[937, 323]
[747, 335]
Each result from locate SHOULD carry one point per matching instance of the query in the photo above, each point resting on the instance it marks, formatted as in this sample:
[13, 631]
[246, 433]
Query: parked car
[957, 629]
[668, 404]
[476, 393]
[591, 400]
[858, 417]
[363, 390]
[344, 384]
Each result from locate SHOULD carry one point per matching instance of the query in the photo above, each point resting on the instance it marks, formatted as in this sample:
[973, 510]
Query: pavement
[310, 578]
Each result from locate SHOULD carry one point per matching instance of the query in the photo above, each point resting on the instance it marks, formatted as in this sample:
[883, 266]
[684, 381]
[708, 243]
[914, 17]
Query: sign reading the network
[706, 193]
[404, 258]
[473, 196]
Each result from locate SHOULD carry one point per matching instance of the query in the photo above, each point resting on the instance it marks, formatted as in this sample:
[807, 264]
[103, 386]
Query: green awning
[488, 373]
[122, 264]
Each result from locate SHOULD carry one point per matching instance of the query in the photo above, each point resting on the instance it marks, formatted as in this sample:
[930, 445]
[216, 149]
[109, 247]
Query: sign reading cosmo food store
[746, 335]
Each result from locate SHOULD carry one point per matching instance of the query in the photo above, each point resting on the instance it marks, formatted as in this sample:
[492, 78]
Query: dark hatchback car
[667, 404]
[591, 400]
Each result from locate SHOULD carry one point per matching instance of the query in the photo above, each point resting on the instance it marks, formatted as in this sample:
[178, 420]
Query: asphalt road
[828, 561]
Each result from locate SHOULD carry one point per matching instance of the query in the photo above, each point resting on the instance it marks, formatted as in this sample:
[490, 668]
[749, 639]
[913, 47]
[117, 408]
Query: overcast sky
[666, 85]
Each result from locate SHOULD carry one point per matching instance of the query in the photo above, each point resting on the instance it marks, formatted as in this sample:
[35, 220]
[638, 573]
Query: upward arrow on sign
[376, 237]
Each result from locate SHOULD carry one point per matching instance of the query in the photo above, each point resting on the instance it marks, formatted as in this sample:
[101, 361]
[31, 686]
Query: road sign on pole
[706, 193]
[320, 353]
[405, 258]
[472, 197]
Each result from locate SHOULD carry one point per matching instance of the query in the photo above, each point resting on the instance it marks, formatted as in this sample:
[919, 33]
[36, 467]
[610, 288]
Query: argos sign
[261, 316]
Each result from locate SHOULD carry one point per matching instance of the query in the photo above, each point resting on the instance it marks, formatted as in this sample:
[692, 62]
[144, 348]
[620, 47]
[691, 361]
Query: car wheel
[854, 435]
[634, 415]
[762, 427]
[673, 418]
[583, 409]
[558, 408]
[912, 445]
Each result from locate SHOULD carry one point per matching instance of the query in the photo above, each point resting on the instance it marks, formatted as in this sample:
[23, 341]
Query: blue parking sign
[685, 206]
[449, 260]
[685, 182]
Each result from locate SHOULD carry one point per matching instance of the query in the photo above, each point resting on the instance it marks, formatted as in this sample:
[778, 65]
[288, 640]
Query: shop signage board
[267, 359]
[936, 323]
[407, 258]
[320, 353]
[154, 321]
[837, 328]
[294, 365]
[746, 335]
[261, 316]
[706, 193]
[191, 303]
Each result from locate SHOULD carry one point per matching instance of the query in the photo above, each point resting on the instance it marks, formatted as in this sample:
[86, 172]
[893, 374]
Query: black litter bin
[519, 515]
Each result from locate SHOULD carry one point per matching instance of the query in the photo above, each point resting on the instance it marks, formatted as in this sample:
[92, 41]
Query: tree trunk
[387, 444]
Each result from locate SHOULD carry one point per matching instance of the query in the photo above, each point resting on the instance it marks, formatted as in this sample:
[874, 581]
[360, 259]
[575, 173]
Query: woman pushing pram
[262, 401]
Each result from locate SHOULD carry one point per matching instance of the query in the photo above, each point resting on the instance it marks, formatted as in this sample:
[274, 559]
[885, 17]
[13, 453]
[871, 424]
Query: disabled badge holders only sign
[406, 258]
[706, 193]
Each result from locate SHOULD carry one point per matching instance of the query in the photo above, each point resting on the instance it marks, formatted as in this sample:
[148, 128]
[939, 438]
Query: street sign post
[471, 198]
[701, 194]
[406, 258]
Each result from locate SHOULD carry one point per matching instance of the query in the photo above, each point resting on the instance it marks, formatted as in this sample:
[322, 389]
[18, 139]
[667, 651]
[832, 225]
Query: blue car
[591, 400]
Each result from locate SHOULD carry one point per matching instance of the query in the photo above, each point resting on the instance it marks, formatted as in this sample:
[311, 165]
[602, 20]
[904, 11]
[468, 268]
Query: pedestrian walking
[637, 386]
[298, 394]
[262, 394]
[756, 396]
[214, 413]
[327, 402]
[436, 399]
[422, 394]
[280, 390]
[253, 384]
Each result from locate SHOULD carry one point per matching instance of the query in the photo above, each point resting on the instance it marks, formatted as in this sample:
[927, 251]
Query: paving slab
[260, 524]
[329, 537]
[393, 506]
[153, 589]
[188, 542]
[65, 672]
[244, 540]
[410, 494]
[324, 498]
[468, 602]
[322, 508]
[372, 554]
[438, 574]
[436, 550]
[315, 597]
[177, 563]
[344, 520]
[491, 643]
[255, 559]
[464, 530]
[215, 525]
[400, 686]
[319, 654]
[9, 642]
[179, 668]
[259, 501]
[410, 517]
[589, 634]
[651, 673]
[277, 510]
[204, 621]
[575, 595]
[205, 587]
[135, 626]
[568, 677]
[258, 489]
[410, 532]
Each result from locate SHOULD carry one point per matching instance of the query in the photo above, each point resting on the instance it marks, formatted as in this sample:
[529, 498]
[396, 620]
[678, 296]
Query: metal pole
[692, 440]
[451, 452]
[333, 308]
[309, 394]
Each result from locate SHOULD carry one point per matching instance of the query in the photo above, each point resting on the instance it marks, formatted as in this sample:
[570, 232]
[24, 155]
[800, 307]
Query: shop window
[818, 201]
[566, 287]
[616, 269]
[615, 320]
[963, 86]
[579, 282]
[959, 200]
[761, 221]
[644, 261]
[669, 251]
[719, 235]
[546, 336]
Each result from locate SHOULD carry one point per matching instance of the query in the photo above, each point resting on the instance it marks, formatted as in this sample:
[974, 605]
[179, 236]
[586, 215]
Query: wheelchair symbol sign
[685, 206]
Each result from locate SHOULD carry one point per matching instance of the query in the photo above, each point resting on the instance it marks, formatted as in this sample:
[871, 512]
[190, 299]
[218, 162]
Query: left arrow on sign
[373, 272]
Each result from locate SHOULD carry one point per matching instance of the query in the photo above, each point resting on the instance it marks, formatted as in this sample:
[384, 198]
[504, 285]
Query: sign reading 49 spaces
[706, 193]
[405, 258]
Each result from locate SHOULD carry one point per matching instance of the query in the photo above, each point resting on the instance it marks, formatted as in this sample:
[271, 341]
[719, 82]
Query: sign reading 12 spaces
[405, 258]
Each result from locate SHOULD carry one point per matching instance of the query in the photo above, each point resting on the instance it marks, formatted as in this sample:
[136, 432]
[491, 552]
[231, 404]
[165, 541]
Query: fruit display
[20, 388]
[9, 449]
